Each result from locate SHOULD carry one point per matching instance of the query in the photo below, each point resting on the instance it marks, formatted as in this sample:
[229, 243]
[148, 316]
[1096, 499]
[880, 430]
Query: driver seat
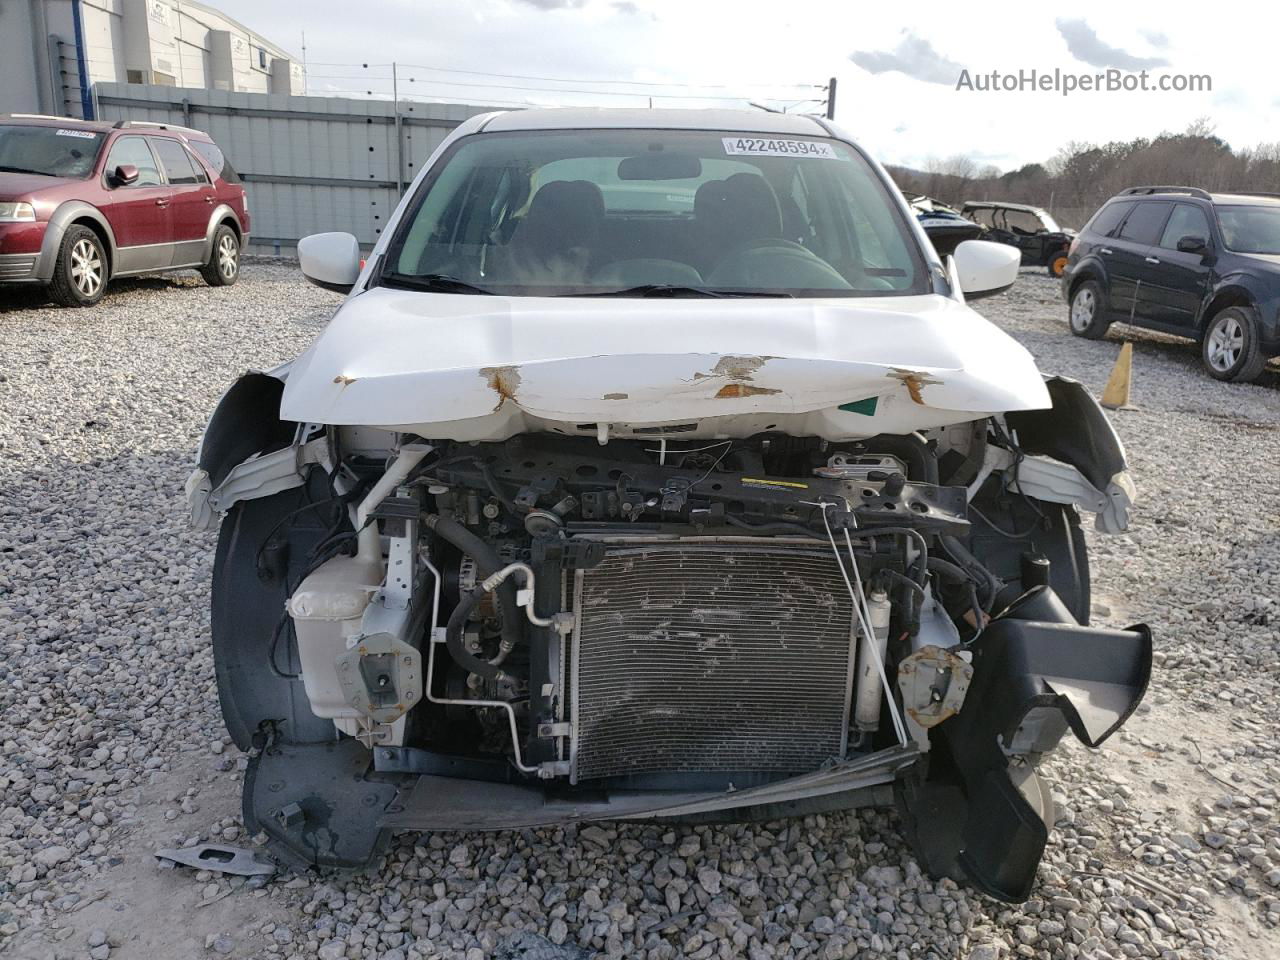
[733, 211]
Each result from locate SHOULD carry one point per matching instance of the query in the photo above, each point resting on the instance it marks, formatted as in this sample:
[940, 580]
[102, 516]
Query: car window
[177, 165]
[1145, 222]
[51, 151]
[1250, 228]
[1023, 221]
[134, 150]
[1187, 220]
[980, 215]
[585, 212]
[216, 159]
[673, 197]
[1106, 220]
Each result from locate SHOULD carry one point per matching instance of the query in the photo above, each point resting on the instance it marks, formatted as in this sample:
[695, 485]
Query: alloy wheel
[1083, 308]
[228, 256]
[1226, 343]
[86, 268]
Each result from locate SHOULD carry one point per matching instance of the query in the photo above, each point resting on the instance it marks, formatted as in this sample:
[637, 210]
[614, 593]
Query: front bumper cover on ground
[982, 813]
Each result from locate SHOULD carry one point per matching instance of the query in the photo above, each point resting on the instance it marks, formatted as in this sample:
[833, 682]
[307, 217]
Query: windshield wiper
[432, 282]
[38, 173]
[676, 290]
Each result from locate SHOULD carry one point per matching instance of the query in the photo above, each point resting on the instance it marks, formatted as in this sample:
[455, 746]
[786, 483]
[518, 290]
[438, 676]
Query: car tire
[1057, 263]
[1087, 311]
[223, 268]
[80, 272]
[1230, 348]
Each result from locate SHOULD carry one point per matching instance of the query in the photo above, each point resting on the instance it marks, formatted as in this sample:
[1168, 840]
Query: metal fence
[309, 164]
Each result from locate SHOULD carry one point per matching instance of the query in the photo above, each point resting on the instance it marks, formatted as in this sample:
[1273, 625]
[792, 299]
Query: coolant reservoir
[327, 609]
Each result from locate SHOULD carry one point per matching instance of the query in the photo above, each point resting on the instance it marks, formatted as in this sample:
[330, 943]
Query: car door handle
[1153, 259]
[162, 202]
[1106, 251]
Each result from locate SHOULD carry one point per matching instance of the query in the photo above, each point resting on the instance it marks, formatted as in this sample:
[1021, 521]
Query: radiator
[710, 657]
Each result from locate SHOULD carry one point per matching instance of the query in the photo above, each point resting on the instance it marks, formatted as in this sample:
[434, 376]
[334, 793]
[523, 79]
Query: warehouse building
[53, 51]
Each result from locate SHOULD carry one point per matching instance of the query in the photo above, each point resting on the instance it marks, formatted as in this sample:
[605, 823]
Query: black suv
[1183, 261]
[1031, 229]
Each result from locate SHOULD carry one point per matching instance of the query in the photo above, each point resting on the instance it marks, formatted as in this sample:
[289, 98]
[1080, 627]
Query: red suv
[83, 202]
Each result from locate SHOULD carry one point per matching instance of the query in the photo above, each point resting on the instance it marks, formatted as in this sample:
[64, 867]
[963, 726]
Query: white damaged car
[655, 466]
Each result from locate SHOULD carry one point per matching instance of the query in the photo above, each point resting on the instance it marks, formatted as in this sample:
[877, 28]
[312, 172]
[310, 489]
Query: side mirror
[125, 174]
[985, 268]
[1193, 245]
[330, 260]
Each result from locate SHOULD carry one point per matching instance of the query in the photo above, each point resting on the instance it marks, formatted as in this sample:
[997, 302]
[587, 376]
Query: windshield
[51, 151]
[1251, 229]
[555, 213]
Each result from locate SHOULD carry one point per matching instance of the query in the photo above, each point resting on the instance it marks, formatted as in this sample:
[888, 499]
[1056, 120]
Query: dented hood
[479, 367]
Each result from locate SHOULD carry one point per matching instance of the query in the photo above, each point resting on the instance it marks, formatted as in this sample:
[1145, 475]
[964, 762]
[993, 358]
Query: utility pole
[304, 63]
[831, 99]
[395, 107]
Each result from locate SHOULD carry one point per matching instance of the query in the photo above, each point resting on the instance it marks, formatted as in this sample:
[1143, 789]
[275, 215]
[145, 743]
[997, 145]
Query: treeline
[1081, 176]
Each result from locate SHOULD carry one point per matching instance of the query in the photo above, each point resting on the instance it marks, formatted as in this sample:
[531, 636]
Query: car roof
[104, 126]
[1259, 199]
[43, 120]
[641, 118]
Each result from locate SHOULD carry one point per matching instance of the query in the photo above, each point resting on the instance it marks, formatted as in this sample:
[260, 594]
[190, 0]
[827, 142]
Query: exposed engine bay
[569, 627]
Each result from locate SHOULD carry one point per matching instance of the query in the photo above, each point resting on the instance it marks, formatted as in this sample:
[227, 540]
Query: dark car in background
[84, 202]
[1031, 229]
[1187, 262]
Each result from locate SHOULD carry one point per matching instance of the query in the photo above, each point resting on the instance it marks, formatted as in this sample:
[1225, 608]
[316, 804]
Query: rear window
[1105, 221]
[1145, 223]
[216, 159]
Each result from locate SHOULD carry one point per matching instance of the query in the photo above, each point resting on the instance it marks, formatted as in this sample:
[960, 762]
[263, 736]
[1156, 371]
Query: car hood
[479, 367]
[25, 186]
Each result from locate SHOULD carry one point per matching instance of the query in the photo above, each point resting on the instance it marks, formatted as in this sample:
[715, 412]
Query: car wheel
[1057, 263]
[1230, 348]
[1087, 314]
[80, 273]
[224, 265]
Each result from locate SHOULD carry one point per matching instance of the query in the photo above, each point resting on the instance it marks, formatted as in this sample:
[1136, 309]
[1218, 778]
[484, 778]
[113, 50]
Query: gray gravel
[111, 745]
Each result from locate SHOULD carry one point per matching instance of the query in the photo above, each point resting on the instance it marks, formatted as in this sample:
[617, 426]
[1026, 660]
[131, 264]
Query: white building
[53, 51]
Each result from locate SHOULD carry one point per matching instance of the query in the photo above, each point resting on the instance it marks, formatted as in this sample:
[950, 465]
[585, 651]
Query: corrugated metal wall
[309, 164]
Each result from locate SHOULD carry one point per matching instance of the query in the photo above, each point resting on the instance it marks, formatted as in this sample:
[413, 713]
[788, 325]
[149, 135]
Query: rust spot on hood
[734, 368]
[344, 380]
[914, 380]
[732, 391]
[504, 381]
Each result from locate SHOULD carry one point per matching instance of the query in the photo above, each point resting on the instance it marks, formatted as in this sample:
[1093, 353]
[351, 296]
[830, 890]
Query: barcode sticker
[762, 147]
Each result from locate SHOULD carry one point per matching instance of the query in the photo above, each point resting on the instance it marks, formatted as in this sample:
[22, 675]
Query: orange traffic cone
[1115, 396]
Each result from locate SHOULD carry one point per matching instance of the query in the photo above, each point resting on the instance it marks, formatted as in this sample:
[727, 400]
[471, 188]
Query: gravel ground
[111, 745]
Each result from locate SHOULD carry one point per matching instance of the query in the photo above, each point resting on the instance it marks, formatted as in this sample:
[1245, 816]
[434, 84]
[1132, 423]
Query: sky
[897, 65]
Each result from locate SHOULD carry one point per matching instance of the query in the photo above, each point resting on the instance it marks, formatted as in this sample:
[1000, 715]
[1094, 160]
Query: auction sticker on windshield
[779, 148]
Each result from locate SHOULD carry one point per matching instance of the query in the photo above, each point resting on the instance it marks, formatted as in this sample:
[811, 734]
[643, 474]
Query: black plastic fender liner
[246, 421]
[975, 815]
[319, 804]
[246, 609]
[1074, 430]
